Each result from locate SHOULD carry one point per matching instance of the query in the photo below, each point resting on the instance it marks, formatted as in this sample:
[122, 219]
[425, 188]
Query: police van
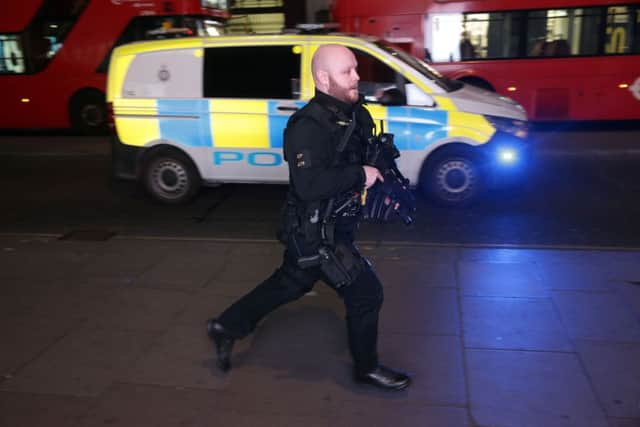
[205, 111]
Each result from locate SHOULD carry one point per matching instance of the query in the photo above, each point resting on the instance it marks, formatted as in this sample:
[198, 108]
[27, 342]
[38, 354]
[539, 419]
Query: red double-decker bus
[560, 59]
[54, 53]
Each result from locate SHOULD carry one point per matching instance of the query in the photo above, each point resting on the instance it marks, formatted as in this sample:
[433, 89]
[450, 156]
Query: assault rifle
[392, 195]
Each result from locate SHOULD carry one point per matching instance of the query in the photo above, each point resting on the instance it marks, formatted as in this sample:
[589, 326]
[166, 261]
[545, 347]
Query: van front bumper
[507, 159]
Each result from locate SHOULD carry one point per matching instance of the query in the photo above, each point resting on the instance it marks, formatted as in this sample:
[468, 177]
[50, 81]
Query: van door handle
[287, 108]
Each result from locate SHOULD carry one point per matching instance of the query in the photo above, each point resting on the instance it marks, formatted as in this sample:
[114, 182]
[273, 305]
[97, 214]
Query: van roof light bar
[317, 28]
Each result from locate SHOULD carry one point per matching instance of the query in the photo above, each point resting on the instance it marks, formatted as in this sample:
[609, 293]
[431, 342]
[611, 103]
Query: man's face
[343, 77]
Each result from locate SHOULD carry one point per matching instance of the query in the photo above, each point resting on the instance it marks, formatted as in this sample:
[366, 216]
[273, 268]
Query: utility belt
[311, 229]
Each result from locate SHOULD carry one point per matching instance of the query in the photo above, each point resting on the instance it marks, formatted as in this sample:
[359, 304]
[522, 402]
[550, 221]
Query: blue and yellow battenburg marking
[259, 124]
[228, 123]
[185, 121]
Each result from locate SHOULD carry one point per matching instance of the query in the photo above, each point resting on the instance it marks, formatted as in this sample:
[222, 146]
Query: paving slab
[420, 310]
[614, 369]
[20, 296]
[576, 276]
[513, 323]
[52, 259]
[57, 299]
[435, 364]
[501, 279]
[624, 422]
[137, 309]
[83, 363]
[597, 316]
[183, 270]
[301, 349]
[234, 288]
[401, 414]
[630, 293]
[395, 271]
[25, 337]
[250, 263]
[277, 402]
[124, 404]
[530, 389]
[202, 305]
[521, 255]
[183, 356]
[422, 253]
[121, 264]
[42, 410]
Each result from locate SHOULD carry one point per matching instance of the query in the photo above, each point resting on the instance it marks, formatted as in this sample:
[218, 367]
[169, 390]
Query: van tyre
[452, 179]
[171, 178]
[88, 112]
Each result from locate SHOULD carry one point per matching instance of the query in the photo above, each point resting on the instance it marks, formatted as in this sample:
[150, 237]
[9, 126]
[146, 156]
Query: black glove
[380, 206]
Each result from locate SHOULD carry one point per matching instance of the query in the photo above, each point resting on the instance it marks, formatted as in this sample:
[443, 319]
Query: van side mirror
[417, 98]
[393, 96]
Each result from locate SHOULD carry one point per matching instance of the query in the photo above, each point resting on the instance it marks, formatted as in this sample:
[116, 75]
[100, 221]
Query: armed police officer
[324, 145]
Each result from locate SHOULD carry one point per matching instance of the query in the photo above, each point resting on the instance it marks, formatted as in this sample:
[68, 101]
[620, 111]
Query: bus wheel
[170, 177]
[452, 179]
[88, 112]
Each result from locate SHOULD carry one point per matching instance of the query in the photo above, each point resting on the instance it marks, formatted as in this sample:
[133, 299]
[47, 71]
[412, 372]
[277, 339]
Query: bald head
[334, 72]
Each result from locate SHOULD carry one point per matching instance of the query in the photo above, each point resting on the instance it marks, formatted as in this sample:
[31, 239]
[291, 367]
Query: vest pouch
[311, 224]
[289, 222]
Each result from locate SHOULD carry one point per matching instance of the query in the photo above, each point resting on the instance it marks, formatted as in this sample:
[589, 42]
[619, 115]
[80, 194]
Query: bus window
[563, 32]
[636, 43]
[48, 30]
[11, 55]
[619, 30]
[476, 35]
[585, 41]
[490, 35]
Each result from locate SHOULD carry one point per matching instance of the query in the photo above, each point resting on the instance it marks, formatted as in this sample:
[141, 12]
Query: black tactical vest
[349, 148]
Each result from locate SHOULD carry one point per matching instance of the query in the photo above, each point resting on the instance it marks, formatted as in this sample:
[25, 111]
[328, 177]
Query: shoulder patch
[303, 159]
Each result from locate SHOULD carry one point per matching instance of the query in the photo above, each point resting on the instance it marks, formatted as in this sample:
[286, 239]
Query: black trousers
[362, 299]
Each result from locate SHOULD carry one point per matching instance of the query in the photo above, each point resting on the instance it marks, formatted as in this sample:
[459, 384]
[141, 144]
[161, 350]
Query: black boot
[385, 378]
[224, 343]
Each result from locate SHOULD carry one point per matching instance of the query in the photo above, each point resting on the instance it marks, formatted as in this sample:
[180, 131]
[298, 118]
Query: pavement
[101, 330]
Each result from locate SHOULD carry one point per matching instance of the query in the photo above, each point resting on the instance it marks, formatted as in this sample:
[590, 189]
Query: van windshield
[422, 67]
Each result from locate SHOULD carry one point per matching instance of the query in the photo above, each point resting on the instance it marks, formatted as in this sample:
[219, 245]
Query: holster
[341, 265]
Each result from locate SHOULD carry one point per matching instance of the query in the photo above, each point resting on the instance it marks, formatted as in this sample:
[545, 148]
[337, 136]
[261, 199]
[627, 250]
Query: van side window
[379, 83]
[252, 72]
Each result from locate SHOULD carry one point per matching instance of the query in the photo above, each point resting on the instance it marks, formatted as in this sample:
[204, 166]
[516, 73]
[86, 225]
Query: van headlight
[507, 155]
[518, 128]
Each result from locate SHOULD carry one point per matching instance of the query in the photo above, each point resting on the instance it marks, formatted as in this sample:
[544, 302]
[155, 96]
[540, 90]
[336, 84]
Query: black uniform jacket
[311, 148]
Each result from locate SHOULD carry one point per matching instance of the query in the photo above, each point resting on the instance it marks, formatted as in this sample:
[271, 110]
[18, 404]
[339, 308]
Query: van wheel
[88, 112]
[452, 179]
[171, 177]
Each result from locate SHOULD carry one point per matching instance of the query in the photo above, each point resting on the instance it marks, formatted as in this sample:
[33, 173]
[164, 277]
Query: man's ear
[323, 78]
